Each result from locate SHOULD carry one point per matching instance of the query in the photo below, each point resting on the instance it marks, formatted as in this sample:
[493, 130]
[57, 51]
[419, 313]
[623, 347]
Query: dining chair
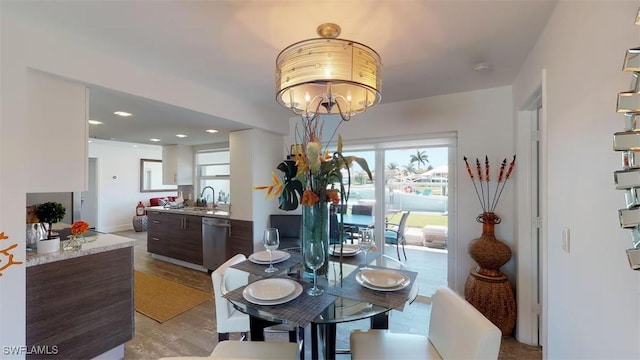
[395, 235]
[362, 210]
[334, 229]
[248, 350]
[457, 330]
[228, 319]
[353, 231]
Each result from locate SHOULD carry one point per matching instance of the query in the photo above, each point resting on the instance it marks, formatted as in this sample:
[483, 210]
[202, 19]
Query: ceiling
[427, 47]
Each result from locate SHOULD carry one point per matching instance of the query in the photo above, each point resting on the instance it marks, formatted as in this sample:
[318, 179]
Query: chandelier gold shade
[328, 75]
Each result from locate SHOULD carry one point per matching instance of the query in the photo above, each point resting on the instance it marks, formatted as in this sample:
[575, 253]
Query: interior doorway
[89, 198]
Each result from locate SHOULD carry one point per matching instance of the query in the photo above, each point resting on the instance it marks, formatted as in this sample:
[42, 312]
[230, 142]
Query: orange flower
[79, 227]
[333, 196]
[274, 189]
[3, 236]
[309, 198]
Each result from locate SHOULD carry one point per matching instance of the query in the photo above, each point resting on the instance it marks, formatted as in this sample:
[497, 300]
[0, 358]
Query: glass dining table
[345, 299]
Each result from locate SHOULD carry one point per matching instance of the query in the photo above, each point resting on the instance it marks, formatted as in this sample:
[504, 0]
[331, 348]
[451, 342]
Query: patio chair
[395, 234]
[334, 229]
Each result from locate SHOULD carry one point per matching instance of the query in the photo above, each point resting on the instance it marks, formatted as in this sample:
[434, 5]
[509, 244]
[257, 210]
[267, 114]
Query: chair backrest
[453, 319]
[403, 222]
[334, 229]
[362, 210]
[339, 208]
[289, 226]
[225, 279]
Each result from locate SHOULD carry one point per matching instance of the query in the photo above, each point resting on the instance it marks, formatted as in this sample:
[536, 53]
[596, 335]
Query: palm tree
[409, 168]
[420, 157]
[392, 166]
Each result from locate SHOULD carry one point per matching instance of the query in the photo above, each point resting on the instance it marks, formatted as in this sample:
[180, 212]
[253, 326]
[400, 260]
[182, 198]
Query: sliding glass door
[409, 200]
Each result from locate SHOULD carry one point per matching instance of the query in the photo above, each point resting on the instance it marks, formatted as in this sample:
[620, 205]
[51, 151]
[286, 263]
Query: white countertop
[103, 242]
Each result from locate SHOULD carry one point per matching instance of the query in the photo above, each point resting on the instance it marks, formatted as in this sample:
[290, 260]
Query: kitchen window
[213, 170]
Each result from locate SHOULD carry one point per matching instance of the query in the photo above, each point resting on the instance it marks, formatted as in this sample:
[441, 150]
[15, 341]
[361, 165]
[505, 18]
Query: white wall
[117, 198]
[483, 121]
[592, 296]
[254, 155]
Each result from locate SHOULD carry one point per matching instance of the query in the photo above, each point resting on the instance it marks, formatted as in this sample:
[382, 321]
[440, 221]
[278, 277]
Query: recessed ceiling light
[136, 146]
[181, 135]
[212, 131]
[155, 140]
[95, 122]
[122, 113]
[89, 141]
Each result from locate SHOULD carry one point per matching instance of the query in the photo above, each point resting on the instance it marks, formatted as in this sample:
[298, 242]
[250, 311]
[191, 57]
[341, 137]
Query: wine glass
[314, 258]
[271, 242]
[365, 243]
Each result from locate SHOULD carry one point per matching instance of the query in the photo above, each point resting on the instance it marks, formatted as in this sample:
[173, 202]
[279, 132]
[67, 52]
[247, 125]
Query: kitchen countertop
[206, 212]
[103, 242]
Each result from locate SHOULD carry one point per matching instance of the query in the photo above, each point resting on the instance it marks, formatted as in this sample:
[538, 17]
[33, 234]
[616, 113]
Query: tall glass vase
[315, 228]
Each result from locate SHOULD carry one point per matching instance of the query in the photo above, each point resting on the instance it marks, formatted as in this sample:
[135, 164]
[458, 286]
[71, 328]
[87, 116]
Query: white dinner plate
[383, 278]
[270, 289]
[296, 292]
[262, 257]
[347, 250]
[362, 282]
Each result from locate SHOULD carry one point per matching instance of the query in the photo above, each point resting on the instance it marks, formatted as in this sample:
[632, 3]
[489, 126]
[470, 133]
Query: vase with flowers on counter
[78, 229]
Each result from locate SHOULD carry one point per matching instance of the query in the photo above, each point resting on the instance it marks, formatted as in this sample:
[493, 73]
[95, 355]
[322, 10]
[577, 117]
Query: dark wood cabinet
[186, 238]
[158, 233]
[83, 306]
[175, 236]
[241, 239]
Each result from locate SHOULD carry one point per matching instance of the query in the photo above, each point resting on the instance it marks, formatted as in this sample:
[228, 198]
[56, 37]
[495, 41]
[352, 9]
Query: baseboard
[179, 262]
[110, 229]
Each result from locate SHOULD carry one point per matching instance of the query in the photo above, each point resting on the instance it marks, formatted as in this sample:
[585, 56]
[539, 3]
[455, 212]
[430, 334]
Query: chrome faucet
[213, 194]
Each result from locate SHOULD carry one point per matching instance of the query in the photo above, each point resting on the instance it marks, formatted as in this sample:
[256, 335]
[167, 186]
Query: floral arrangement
[489, 202]
[79, 227]
[314, 174]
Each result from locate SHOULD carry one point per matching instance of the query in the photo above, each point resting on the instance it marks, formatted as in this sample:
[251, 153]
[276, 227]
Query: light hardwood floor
[193, 333]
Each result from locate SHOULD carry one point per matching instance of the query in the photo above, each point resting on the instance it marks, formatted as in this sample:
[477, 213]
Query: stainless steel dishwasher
[215, 233]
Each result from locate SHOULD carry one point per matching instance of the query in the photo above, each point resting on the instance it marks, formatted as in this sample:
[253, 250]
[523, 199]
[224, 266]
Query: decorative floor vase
[315, 227]
[487, 288]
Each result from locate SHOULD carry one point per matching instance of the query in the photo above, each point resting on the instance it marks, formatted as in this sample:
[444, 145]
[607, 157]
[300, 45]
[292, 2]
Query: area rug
[162, 299]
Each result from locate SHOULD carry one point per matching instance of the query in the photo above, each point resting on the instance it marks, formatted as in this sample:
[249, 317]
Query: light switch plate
[566, 240]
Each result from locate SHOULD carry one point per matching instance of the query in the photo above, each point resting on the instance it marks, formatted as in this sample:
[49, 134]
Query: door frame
[530, 127]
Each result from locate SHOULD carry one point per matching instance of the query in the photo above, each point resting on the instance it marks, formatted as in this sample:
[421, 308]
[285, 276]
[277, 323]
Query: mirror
[151, 177]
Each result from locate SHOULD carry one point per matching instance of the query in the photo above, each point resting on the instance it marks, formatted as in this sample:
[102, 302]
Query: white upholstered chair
[457, 330]
[247, 350]
[228, 319]
[224, 278]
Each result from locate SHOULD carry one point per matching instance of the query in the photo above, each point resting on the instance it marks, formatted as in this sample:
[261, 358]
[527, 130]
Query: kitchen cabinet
[241, 239]
[80, 307]
[175, 236]
[57, 113]
[158, 233]
[177, 165]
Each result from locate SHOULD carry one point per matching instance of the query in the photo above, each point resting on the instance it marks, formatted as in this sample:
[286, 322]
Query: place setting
[377, 285]
[261, 263]
[273, 291]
